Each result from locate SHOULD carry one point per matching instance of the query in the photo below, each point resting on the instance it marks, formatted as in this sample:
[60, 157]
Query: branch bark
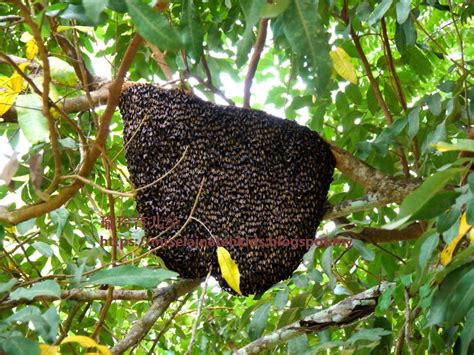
[341, 314]
[141, 327]
[378, 96]
[257, 52]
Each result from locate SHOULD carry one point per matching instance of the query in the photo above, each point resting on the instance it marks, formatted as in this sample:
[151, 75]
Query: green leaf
[7, 286]
[434, 104]
[419, 198]
[259, 321]
[281, 298]
[454, 298]
[24, 315]
[298, 345]
[62, 72]
[326, 263]
[275, 8]
[403, 10]
[467, 334]
[117, 5]
[414, 122]
[193, 32]
[427, 248]
[385, 300]
[94, 9]
[372, 335]
[364, 252]
[47, 324]
[59, 218]
[252, 10]
[43, 248]
[305, 31]
[44, 288]
[128, 275]
[380, 11]
[436, 205]
[461, 144]
[30, 118]
[68, 142]
[20, 346]
[154, 26]
[24, 227]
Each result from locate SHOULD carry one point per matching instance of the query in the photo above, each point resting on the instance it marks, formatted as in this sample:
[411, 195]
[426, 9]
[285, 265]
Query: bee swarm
[264, 179]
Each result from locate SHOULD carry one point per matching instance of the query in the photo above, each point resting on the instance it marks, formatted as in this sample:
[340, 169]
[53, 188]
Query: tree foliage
[388, 83]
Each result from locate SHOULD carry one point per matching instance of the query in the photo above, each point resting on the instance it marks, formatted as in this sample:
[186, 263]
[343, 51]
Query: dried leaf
[229, 269]
[10, 168]
[35, 170]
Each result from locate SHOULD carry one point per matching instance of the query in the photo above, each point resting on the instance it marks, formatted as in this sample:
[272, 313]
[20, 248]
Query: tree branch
[257, 52]
[378, 96]
[341, 314]
[31, 211]
[164, 297]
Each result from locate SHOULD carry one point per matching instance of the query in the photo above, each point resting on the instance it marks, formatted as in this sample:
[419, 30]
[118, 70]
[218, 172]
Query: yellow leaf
[447, 253]
[46, 349]
[31, 49]
[343, 65]
[85, 29]
[463, 226]
[229, 269]
[471, 235]
[10, 88]
[86, 342]
[11, 229]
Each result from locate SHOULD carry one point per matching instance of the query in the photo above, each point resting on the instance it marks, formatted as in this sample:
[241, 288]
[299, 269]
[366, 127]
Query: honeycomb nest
[264, 183]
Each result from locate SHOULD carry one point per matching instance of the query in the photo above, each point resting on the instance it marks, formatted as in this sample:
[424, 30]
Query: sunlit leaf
[62, 72]
[154, 26]
[31, 119]
[229, 269]
[403, 10]
[461, 144]
[31, 49]
[343, 65]
[380, 11]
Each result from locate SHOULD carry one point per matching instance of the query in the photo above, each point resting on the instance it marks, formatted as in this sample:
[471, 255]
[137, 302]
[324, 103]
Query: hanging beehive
[264, 184]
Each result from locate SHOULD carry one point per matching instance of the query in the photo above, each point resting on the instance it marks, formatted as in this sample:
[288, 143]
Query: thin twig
[198, 315]
[98, 187]
[165, 174]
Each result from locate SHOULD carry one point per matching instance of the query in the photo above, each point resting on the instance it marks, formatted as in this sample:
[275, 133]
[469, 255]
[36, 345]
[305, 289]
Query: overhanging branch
[341, 314]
